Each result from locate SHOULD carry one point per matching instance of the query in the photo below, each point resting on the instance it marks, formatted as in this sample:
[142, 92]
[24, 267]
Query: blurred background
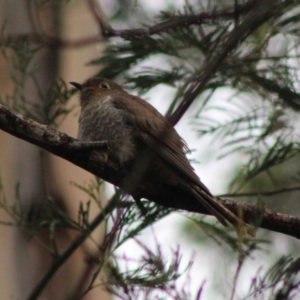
[242, 130]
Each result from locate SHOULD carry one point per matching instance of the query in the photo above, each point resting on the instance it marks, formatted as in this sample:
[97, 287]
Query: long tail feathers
[223, 214]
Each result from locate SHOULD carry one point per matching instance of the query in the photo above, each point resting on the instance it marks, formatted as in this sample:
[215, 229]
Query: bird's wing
[156, 132]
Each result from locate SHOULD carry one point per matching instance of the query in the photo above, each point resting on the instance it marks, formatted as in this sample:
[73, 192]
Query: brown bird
[142, 139]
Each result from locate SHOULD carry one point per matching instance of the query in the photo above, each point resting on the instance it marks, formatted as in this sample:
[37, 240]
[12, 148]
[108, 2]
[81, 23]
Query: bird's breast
[101, 121]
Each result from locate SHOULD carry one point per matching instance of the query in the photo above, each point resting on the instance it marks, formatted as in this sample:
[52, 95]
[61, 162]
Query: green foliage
[280, 282]
[152, 277]
[259, 121]
[46, 104]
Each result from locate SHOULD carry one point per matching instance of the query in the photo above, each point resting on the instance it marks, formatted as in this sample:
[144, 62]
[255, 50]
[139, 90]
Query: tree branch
[62, 258]
[96, 163]
[262, 193]
[108, 31]
[172, 24]
[260, 13]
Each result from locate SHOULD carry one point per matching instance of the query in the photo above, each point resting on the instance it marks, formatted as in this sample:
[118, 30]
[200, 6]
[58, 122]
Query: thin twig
[177, 21]
[265, 193]
[241, 261]
[73, 247]
[88, 145]
[108, 31]
[100, 17]
[263, 11]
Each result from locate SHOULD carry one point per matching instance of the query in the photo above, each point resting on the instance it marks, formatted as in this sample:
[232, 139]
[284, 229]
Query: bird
[143, 140]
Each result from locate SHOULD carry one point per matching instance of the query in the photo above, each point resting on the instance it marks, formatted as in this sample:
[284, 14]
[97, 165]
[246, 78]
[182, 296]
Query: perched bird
[143, 140]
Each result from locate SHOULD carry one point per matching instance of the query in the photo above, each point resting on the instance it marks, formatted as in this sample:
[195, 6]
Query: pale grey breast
[101, 121]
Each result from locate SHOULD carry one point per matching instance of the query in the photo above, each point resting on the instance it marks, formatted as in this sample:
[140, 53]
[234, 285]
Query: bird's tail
[223, 214]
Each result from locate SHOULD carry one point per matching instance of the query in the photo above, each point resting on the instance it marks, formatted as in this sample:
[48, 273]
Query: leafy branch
[60, 144]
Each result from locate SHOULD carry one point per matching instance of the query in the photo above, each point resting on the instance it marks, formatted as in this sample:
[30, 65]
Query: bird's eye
[104, 85]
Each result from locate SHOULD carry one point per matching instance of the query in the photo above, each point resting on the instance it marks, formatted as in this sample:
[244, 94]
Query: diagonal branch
[262, 12]
[108, 32]
[60, 144]
[62, 258]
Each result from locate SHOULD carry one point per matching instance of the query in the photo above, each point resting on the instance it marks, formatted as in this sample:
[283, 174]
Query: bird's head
[97, 88]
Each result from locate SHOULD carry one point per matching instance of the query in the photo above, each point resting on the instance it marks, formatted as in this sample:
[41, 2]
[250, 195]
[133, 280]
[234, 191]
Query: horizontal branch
[172, 24]
[261, 12]
[107, 31]
[51, 41]
[262, 193]
[96, 163]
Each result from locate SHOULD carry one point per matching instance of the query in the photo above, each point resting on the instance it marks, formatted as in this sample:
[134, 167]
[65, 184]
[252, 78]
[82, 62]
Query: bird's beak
[77, 85]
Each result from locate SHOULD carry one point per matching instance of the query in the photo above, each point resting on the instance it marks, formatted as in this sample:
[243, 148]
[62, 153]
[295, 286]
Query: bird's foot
[88, 145]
